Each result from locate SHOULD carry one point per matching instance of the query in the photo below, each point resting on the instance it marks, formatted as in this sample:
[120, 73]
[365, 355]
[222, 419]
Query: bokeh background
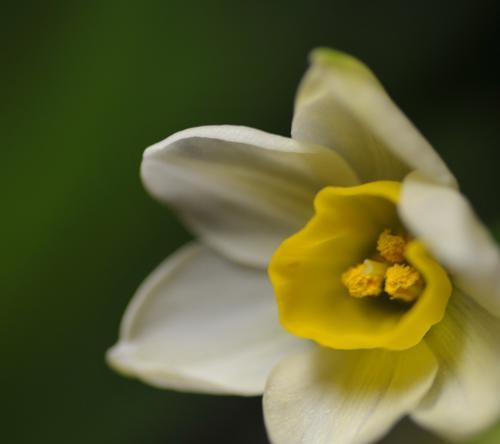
[87, 85]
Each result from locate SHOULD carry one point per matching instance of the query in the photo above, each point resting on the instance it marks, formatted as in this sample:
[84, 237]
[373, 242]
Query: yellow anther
[365, 279]
[403, 282]
[391, 247]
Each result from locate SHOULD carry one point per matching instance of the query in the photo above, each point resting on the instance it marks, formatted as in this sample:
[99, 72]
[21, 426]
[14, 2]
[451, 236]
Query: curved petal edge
[241, 190]
[324, 396]
[342, 105]
[201, 323]
[444, 220]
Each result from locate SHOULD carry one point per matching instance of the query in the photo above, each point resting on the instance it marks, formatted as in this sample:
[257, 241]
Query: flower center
[390, 299]
[387, 273]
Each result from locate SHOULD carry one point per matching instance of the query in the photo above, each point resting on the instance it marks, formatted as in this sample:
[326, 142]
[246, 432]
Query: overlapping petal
[323, 396]
[445, 221]
[341, 104]
[241, 190]
[465, 396]
[201, 323]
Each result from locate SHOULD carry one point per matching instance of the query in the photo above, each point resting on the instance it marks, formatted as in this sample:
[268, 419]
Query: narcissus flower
[380, 300]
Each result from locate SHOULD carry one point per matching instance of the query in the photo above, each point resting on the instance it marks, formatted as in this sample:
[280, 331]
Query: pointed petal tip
[323, 54]
[342, 105]
[116, 358]
[334, 58]
[326, 54]
[123, 359]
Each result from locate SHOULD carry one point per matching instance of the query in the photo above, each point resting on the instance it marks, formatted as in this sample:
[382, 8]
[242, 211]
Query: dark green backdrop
[87, 85]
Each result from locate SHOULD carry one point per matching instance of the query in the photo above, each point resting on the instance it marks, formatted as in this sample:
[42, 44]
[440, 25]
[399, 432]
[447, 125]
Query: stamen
[387, 272]
[391, 247]
[365, 279]
[403, 282]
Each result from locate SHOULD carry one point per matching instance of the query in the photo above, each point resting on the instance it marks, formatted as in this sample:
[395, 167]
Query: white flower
[206, 320]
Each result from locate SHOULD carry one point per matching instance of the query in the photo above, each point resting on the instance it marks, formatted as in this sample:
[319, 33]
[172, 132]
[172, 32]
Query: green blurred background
[87, 85]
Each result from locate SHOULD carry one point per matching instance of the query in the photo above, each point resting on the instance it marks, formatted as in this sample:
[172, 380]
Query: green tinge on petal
[345, 62]
[341, 104]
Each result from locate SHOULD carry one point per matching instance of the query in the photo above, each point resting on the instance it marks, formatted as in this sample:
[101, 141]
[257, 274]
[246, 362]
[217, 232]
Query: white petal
[465, 398]
[342, 105]
[201, 323]
[445, 221]
[242, 190]
[344, 397]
